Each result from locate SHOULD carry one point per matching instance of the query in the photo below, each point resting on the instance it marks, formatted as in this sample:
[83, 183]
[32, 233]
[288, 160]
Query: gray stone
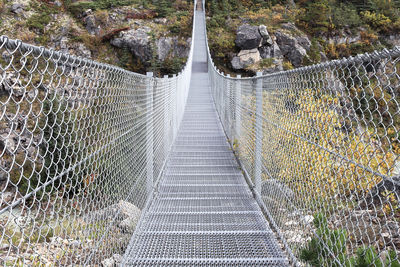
[137, 41]
[248, 37]
[275, 67]
[290, 48]
[164, 45]
[4, 246]
[57, 3]
[117, 258]
[9, 142]
[3, 174]
[289, 26]
[304, 42]
[12, 84]
[161, 20]
[110, 262]
[82, 51]
[17, 8]
[6, 56]
[271, 187]
[245, 58]
[91, 25]
[122, 210]
[7, 197]
[267, 40]
[75, 243]
[270, 51]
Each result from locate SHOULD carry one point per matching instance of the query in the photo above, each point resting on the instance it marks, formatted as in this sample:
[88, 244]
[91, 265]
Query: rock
[75, 243]
[117, 258]
[245, 58]
[271, 51]
[304, 42]
[248, 37]
[161, 20]
[7, 197]
[6, 56]
[7, 140]
[12, 84]
[129, 224]
[122, 210]
[57, 3]
[274, 187]
[289, 26]
[164, 45]
[277, 65]
[3, 174]
[290, 48]
[82, 51]
[17, 8]
[4, 246]
[267, 40]
[308, 218]
[137, 41]
[393, 39]
[90, 24]
[110, 262]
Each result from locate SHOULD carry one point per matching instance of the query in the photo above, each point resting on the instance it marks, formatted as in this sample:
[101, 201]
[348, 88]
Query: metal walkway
[203, 213]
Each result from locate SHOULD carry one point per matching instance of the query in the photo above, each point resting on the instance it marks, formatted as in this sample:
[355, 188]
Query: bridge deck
[203, 213]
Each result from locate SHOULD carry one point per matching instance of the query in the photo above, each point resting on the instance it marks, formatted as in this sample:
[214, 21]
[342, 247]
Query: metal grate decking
[203, 212]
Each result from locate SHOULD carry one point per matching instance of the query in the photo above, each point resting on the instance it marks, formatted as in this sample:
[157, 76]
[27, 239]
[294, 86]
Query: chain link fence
[320, 146]
[82, 145]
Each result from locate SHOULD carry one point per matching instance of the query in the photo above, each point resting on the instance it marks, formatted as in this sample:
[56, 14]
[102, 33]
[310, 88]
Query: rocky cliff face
[260, 50]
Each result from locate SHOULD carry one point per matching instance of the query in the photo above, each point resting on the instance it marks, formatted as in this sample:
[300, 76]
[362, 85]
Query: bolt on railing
[82, 145]
[320, 146]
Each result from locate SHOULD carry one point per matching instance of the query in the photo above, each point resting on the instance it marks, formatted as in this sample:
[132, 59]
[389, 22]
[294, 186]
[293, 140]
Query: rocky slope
[270, 36]
[133, 34]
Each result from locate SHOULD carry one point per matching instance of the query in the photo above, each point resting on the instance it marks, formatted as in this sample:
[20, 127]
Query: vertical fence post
[149, 133]
[227, 98]
[174, 103]
[166, 115]
[238, 102]
[259, 133]
[221, 99]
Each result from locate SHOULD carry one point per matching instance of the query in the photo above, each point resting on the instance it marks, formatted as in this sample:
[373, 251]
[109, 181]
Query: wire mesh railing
[320, 146]
[82, 145]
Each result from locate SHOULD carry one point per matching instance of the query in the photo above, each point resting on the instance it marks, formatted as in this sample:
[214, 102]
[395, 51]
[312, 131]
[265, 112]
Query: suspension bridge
[106, 167]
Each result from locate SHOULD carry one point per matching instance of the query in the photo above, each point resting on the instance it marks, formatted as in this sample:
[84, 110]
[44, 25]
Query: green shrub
[317, 17]
[376, 20]
[329, 249]
[345, 15]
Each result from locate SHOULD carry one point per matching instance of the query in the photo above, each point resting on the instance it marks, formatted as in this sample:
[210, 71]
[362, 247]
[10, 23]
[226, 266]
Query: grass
[77, 7]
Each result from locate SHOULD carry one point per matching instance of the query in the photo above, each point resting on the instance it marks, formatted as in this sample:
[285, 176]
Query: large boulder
[245, 58]
[290, 48]
[137, 41]
[172, 46]
[164, 46]
[248, 37]
[124, 213]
